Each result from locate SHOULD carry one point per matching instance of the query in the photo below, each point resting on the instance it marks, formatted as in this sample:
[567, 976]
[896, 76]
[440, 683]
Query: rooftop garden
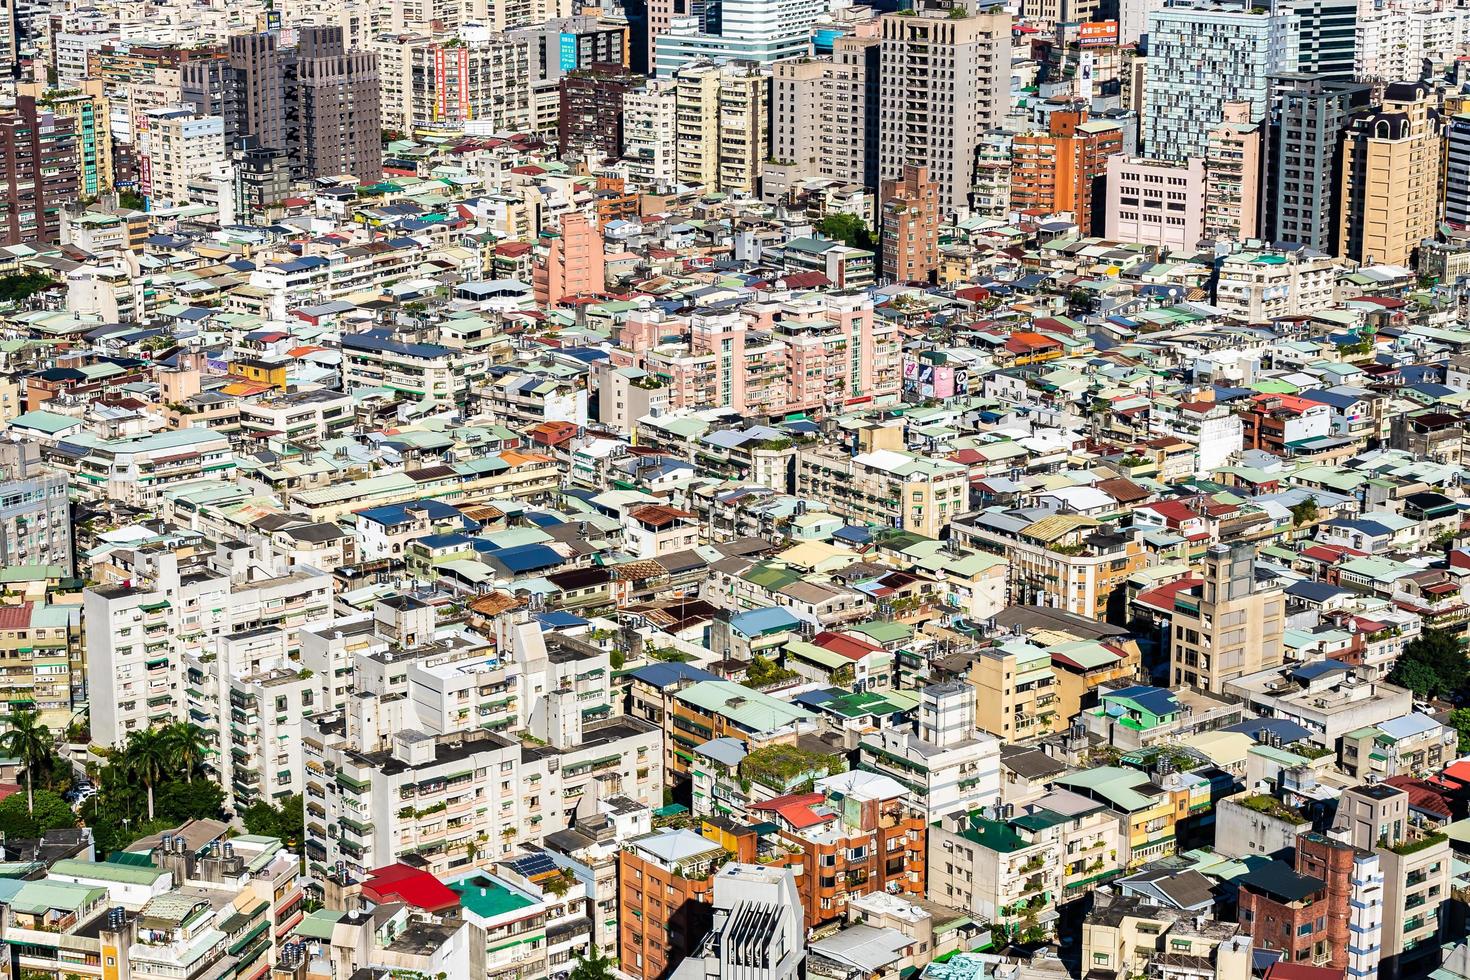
[1418, 844]
[779, 767]
[1271, 807]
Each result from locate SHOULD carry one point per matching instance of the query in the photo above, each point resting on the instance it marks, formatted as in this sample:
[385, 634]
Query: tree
[1460, 722]
[23, 285]
[30, 818]
[593, 967]
[131, 200]
[764, 671]
[29, 741]
[146, 755]
[198, 799]
[1433, 663]
[848, 229]
[188, 746]
[284, 822]
[1304, 512]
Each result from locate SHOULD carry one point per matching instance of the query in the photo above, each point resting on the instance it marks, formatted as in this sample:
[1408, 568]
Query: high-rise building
[1201, 56]
[592, 111]
[333, 114]
[177, 146]
[262, 176]
[35, 516]
[1233, 176]
[40, 172]
[759, 31]
[1327, 32]
[1228, 626]
[575, 263]
[208, 86]
[1391, 177]
[945, 81]
[1062, 169]
[1302, 161]
[824, 117]
[649, 124]
[89, 106]
[259, 65]
[909, 217]
[722, 126]
[1457, 171]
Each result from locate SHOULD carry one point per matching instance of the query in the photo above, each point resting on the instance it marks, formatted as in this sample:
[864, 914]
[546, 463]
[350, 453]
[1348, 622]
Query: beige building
[697, 126]
[1416, 865]
[1226, 627]
[1233, 176]
[721, 129]
[879, 486]
[1016, 691]
[819, 116]
[946, 81]
[1390, 177]
[1126, 937]
[177, 147]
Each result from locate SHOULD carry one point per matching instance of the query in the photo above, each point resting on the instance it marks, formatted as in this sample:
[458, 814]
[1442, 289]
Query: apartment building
[824, 117]
[1228, 626]
[306, 417]
[946, 762]
[137, 469]
[709, 709]
[1202, 56]
[1233, 176]
[665, 899]
[650, 120]
[1062, 168]
[1391, 177]
[944, 81]
[1416, 870]
[1016, 691]
[574, 264]
[178, 146]
[908, 208]
[440, 375]
[35, 515]
[877, 487]
[1262, 286]
[722, 133]
[40, 172]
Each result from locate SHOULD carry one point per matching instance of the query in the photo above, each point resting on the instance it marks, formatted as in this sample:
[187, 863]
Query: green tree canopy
[848, 229]
[23, 819]
[1432, 664]
[593, 967]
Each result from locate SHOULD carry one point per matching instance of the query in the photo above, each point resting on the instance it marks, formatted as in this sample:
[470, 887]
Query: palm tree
[29, 741]
[147, 757]
[188, 746]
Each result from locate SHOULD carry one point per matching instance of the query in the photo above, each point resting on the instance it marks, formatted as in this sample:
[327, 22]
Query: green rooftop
[487, 897]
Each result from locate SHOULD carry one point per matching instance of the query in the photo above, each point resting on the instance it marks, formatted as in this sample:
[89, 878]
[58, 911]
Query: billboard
[568, 52]
[1098, 34]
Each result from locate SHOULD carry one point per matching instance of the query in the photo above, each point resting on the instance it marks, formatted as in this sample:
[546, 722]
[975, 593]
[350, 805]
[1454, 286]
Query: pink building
[769, 358]
[575, 263]
[1151, 202]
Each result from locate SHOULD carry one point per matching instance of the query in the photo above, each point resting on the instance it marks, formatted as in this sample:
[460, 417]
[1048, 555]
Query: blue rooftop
[759, 622]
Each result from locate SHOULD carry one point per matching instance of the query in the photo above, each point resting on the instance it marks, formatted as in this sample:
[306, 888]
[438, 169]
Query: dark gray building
[1300, 186]
[208, 86]
[318, 101]
[1457, 171]
[262, 176]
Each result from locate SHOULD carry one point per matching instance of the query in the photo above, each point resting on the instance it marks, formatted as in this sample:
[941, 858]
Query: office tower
[176, 147]
[1390, 176]
[1201, 57]
[575, 262]
[1233, 176]
[1457, 171]
[40, 172]
[649, 125]
[824, 117]
[908, 213]
[1327, 33]
[945, 80]
[760, 31]
[1228, 626]
[260, 72]
[1062, 169]
[1155, 202]
[592, 111]
[1301, 178]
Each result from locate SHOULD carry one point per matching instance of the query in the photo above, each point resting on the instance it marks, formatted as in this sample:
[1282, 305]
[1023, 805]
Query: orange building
[855, 836]
[909, 212]
[665, 890]
[575, 263]
[1063, 168]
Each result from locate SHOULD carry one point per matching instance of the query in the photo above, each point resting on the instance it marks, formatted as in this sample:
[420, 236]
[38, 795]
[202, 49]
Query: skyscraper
[1302, 166]
[1457, 171]
[1390, 176]
[762, 31]
[1201, 57]
[334, 116]
[824, 117]
[945, 80]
